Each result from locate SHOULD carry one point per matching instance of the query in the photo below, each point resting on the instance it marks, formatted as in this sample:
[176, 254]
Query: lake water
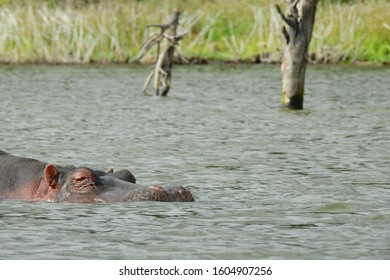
[268, 183]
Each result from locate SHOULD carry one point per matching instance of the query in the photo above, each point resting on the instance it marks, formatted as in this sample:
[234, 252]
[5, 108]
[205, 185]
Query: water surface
[269, 184]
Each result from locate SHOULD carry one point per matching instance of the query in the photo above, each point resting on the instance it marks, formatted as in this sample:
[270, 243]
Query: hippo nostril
[181, 190]
[184, 194]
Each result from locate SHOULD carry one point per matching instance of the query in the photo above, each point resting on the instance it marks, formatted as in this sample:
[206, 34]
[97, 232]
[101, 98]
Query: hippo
[32, 180]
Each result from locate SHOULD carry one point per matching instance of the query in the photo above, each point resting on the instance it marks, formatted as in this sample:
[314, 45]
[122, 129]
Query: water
[268, 184]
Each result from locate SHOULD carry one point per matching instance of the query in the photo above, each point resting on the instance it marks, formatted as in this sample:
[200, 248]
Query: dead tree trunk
[300, 22]
[162, 72]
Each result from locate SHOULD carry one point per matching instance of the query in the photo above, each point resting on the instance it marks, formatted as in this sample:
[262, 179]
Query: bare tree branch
[291, 19]
[162, 73]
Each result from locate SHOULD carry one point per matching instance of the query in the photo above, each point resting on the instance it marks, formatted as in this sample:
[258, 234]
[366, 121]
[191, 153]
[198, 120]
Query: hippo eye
[80, 179]
[83, 182]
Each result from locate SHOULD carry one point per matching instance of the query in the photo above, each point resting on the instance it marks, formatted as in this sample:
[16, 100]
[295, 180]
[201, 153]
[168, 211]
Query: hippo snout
[179, 194]
[117, 190]
[159, 193]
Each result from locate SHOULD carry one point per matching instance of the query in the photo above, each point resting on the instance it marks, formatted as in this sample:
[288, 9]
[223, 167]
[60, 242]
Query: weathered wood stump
[300, 22]
[162, 72]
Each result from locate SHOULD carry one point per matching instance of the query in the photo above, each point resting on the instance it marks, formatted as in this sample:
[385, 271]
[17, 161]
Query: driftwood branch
[162, 72]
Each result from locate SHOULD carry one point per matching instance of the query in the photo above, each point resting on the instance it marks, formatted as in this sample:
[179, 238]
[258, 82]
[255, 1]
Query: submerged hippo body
[31, 180]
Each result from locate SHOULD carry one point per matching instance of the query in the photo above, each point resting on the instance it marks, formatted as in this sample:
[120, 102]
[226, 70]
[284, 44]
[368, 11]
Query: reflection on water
[268, 183]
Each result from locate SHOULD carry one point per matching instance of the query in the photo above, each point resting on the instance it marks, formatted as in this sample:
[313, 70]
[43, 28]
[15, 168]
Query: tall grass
[83, 31]
[352, 32]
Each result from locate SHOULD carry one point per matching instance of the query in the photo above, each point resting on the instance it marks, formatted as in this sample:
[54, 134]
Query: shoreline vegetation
[231, 31]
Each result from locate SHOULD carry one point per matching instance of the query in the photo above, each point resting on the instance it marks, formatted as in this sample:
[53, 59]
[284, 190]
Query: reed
[82, 31]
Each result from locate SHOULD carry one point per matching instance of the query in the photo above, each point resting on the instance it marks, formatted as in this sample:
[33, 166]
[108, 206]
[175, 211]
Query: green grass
[83, 31]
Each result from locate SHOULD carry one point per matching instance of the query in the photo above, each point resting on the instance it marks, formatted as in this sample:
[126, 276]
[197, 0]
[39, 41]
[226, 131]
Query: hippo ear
[51, 175]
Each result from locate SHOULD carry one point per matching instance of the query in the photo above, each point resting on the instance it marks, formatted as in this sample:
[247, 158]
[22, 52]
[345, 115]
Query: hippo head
[84, 185]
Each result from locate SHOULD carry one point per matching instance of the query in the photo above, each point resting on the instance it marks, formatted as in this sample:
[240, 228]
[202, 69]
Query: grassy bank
[82, 31]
